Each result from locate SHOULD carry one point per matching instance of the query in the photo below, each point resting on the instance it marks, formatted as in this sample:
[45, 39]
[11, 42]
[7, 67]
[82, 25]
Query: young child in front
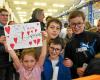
[29, 67]
[53, 68]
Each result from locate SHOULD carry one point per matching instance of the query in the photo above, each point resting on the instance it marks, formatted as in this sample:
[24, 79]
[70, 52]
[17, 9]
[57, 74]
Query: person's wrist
[44, 42]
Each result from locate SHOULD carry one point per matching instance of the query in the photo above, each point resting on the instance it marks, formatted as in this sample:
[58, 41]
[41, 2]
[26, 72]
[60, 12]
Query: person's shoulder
[92, 34]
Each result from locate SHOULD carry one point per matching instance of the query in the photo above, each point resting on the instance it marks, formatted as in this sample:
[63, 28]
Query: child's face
[53, 30]
[28, 62]
[54, 50]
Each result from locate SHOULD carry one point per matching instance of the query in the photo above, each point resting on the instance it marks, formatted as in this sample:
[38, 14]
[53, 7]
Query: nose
[55, 29]
[76, 26]
[29, 64]
[54, 51]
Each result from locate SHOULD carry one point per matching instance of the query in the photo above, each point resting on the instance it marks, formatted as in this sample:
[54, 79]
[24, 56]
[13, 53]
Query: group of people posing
[56, 60]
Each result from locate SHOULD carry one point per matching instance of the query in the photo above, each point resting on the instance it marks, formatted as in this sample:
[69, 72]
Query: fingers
[67, 62]
[44, 35]
[2, 39]
[80, 71]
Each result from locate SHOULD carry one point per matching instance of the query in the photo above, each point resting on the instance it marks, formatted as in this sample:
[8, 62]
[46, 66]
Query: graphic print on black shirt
[86, 50]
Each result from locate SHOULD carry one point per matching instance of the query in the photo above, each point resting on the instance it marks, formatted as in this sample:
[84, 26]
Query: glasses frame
[55, 49]
[76, 24]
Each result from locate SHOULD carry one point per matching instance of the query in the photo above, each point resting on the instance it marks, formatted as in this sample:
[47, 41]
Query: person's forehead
[76, 19]
[4, 12]
[54, 23]
[53, 44]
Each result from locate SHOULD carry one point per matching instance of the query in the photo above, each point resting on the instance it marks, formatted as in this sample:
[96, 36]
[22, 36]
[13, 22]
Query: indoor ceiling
[23, 8]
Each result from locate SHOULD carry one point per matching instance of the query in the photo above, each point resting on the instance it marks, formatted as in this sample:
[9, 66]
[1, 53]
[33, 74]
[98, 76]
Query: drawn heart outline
[15, 39]
[7, 29]
[22, 34]
[36, 41]
[30, 42]
[12, 45]
[28, 32]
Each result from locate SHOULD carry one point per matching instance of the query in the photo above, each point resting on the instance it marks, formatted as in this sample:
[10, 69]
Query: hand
[80, 71]
[44, 35]
[68, 62]
[2, 39]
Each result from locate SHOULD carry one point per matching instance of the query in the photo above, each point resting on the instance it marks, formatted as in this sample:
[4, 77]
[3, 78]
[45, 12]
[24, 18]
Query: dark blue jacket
[4, 56]
[63, 73]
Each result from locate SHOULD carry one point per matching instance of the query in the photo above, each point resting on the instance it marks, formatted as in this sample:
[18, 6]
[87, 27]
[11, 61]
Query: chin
[53, 37]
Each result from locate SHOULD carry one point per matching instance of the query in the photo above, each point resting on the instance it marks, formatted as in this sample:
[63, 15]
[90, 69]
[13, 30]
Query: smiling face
[77, 24]
[3, 17]
[54, 51]
[28, 62]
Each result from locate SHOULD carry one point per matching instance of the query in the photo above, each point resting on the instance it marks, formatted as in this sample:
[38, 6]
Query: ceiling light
[33, 9]
[58, 5]
[18, 8]
[52, 10]
[48, 14]
[40, 4]
[23, 13]
[20, 2]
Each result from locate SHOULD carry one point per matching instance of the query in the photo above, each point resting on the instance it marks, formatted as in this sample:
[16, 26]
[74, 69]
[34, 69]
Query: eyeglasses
[55, 49]
[76, 24]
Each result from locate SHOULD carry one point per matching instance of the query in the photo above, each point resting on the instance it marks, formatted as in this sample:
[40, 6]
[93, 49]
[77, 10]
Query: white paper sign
[21, 36]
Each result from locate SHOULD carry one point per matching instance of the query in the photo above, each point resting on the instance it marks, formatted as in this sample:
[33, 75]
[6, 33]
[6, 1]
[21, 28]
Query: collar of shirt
[1, 25]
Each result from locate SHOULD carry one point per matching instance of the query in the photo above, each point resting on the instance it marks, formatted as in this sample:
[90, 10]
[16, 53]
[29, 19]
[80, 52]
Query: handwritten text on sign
[23, 35]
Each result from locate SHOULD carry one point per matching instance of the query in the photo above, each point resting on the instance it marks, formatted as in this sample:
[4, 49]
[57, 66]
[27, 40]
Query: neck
[1, 25]
[54, 58]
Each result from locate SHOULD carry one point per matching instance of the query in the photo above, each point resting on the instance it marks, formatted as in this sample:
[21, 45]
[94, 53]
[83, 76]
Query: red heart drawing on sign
[38, 41]
[28, 32]
[30, 42]
[34, 41]
[15, 39]
[12, 45]
[35, 30]
[22, 35]
[7, 29]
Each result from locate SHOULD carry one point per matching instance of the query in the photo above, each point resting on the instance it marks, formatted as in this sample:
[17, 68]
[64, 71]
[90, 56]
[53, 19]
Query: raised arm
[43, 50]
[13, 56]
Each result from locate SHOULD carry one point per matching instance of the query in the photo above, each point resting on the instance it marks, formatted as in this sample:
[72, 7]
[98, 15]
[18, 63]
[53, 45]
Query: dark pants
[4, 73]
[13, 74]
